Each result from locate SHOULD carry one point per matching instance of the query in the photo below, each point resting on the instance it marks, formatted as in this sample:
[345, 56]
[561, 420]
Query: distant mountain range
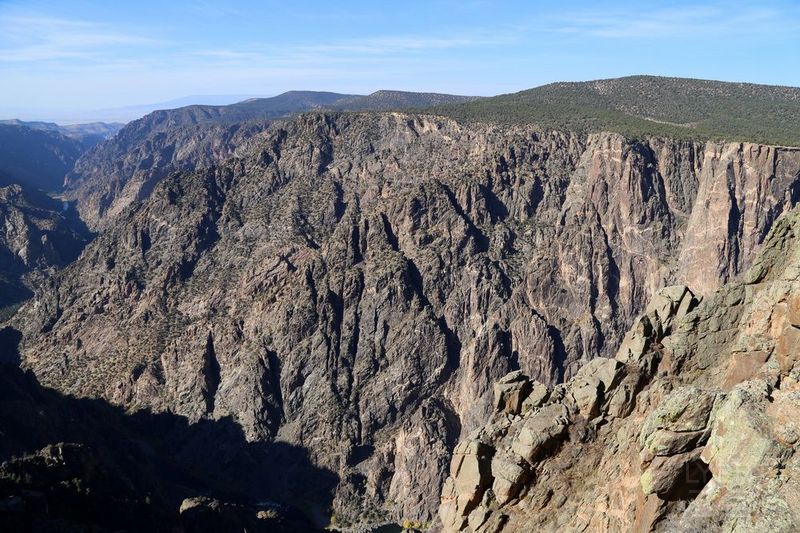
[292, 102]
[635, 105]
[132, 112]
[39, 154]
[122, 114]
[87, 134]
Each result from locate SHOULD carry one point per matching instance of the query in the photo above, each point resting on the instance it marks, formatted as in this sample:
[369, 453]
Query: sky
[62, 58]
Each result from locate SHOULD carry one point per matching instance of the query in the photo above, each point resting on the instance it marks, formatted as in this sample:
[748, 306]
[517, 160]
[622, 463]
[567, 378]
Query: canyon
[354, 284]
[325, 310]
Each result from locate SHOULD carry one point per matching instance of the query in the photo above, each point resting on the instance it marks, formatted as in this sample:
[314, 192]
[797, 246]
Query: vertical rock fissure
[211, 373]
[274, 386]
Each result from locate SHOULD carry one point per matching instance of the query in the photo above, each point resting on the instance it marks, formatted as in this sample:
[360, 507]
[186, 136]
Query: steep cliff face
[692, 426]
[124, 169]
[37, 233]
[742, 190]
[34, 158]
[354, 284]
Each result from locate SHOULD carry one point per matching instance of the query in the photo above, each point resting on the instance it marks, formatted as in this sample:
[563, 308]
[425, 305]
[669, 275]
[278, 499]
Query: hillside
[640, 106]
[36, 158]
[293, 102]
[398, 100]
[36, 234]
[255, 109]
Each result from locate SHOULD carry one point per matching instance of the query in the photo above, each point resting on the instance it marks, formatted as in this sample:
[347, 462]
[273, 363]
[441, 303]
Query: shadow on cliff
[153, 460]
[57, 237]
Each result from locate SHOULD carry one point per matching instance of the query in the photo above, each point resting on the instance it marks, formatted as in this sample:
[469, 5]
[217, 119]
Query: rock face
[71, 464]
[37, 233]
[34, 158]
[125, 169]
[354, 284]
[692, 427]
[743, 193]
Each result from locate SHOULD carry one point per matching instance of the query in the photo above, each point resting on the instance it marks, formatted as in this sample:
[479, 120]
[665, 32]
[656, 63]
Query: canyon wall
[692, 426]
[354, 284]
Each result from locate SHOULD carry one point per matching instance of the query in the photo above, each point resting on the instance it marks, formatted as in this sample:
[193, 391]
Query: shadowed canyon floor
[83, 465]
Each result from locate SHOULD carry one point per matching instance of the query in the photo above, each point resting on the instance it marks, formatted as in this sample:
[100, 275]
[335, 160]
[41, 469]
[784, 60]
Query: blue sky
[74, 55]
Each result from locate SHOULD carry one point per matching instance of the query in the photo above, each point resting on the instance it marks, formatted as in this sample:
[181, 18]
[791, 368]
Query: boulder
[672, 302]
[622, 400]
[668, 305]
[594, 382]
[636, 342]
[679, 424]
[664, 475]
[510, 475]
[742, 446]
[538, 396]
[202, 514]
[540, 432]
[470, 476]
[511, 391]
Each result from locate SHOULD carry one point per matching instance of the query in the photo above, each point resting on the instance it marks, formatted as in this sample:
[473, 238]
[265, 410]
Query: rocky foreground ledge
[693, 425]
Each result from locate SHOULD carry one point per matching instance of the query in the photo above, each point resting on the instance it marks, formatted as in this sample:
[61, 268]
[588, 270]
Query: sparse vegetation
[641, 106]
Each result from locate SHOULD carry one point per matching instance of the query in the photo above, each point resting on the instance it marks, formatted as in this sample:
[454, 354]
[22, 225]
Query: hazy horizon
[71, 59]
[127, 113]
[124, 113]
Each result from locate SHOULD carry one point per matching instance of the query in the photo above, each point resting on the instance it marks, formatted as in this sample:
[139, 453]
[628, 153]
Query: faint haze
[81, 60]
[69, 115]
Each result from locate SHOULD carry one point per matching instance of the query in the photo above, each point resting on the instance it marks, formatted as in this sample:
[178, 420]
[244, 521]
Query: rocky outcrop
[691, 427]
[126, 168]
[202, 514]
[37, 234]
[64, 487]
[354, 284]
